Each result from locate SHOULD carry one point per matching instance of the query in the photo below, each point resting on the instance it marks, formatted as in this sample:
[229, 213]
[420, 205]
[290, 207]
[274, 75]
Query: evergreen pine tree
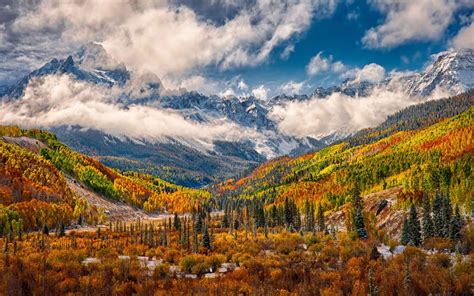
[438, 223]
[198, 224]
[296, 219]
[312, 224]
[307, 215]
[273, 216]
[20, 229]
[358, 223]
[321, 226]
[288, 214]
[206, 240]
[195, 239]
[259, 215]
[165, 236]
[447, 213]
[45, 229]
[62, 229]
[456, 225]
[225, 219]
[265, 229]
[414, 228]
[427, 223]
[151, 236]
[373, 291]
[176, 222]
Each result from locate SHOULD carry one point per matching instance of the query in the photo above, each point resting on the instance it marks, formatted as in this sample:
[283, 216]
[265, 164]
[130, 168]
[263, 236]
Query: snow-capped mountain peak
[453, 71]
[93, 56]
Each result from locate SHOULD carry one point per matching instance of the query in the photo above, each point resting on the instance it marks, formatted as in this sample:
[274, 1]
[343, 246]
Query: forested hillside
[33, 188]
[278, 233]
[428, 160]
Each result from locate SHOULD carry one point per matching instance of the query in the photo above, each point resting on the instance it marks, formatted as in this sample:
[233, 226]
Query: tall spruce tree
[296, 219]
[307, 216]
[274, 220]
[206, 239]
[456, 225]
[438, 213]
[427, 223]
[373, 290]
[358, 223]
[288, 213]
[447, 214]
[225, 219]
[259, 215]
[176, 222]
[414, 228]
[321, 226]
[198, 224]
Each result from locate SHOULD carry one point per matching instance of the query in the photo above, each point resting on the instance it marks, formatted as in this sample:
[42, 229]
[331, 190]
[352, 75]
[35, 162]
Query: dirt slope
[115, 210]
[390, 217]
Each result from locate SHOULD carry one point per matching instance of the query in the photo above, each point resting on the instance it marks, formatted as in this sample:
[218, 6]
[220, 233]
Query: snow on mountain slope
[91, 65]
[451, 72]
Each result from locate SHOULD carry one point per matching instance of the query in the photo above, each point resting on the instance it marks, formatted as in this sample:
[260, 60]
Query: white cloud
[465, 37]
[287, 51]
[370, 72]
[198, 83]
[168, 40]
[260, 92]
[291, 87]
[338, 67]
[410, 20]
[227, 93]
[318, 64]
[60, 100]
[340, 113]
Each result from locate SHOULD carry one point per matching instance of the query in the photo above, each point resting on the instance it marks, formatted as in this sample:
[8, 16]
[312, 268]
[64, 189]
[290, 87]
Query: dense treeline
[240, 252]
[430, 160]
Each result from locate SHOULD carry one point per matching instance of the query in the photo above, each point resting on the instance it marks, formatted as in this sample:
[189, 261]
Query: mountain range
[192, 163]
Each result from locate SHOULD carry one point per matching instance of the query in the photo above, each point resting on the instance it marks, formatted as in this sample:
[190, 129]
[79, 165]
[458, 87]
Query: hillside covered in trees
[318, 224]
[34, 167]
[431, 160]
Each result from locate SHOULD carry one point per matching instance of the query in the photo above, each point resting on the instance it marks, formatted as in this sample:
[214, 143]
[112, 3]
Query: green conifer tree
[456, 225]
[373, 290]
[447, 214]
[427, 223]
[414, 228]
[177, 222]
[288, 213]
[438, 220]
[404, 239]
[321, 226]
[206, 239]
[45, 229]
[358, 223]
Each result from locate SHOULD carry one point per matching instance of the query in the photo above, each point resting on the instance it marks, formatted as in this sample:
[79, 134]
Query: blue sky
[340, 35]
[215, 46]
